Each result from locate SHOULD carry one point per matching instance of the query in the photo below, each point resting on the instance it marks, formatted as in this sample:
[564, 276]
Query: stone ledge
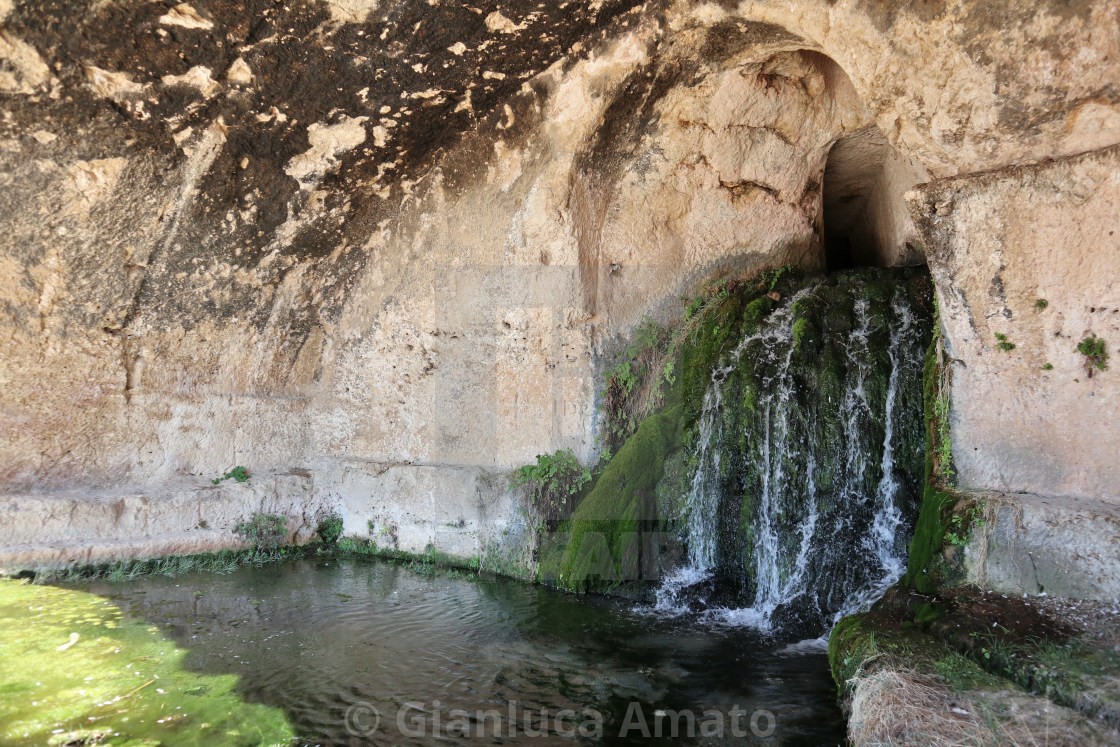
[1061, 546]
[15, 558]
[920, 669]
[52, 529]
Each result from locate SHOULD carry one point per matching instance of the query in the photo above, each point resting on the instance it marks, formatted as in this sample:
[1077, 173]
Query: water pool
[372, 652]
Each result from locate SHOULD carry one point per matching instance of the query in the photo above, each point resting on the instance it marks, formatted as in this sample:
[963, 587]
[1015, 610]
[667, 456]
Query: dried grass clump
[903, 707]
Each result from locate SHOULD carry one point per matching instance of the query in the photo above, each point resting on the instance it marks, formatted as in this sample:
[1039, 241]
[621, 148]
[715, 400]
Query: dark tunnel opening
[863, 213]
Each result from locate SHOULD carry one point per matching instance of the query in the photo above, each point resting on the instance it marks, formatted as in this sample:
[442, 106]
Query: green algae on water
[75, 670]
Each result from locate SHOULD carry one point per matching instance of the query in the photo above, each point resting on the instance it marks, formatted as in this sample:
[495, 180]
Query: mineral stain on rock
[289, 87]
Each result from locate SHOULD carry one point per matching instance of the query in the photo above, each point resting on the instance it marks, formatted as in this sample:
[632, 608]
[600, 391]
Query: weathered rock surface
[83, 526]
[400, 237]
[1032, 254]
[1055, 546]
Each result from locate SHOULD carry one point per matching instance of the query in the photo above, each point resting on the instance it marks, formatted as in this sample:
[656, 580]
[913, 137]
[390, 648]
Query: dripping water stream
[831, 513]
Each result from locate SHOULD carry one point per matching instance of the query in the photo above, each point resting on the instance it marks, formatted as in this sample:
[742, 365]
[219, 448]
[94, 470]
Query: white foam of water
[883, 536]
[807, 646]
[670, 596]
[704, 490]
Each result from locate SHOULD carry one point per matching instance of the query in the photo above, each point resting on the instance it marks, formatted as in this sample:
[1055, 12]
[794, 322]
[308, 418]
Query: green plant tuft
[1047, 366]
[330, 528]
[1041, 304]
[964, 522]
[772, 276]
[1096, 355]
[552, 483]
[1004, 344]
[239, 474]
[264, 531]
[941, 408]
[924, 570]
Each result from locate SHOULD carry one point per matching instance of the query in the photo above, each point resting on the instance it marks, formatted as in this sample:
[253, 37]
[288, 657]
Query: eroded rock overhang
[383, 246]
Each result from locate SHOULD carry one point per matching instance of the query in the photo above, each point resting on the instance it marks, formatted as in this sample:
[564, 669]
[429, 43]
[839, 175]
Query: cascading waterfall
[807, 454]
[703, 502]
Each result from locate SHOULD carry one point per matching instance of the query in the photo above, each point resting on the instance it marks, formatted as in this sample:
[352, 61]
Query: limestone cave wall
[378, 252]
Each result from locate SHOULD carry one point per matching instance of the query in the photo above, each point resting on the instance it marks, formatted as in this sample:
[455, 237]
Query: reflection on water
[369, 652]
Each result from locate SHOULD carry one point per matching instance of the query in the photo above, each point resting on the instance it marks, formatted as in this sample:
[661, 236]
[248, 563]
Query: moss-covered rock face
[607, 543]
[794, 444]
[76, 671]
[927, 568]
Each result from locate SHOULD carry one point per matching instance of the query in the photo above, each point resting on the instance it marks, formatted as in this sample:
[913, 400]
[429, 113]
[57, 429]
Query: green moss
[226, 561]
[737, 316]
[962, 673]
[223, 561]
[1073, 672]
[665, 365]
[802, 328]
[702, 348]
[680, 352]
[428, 562]
[877, 380]
[848, 649]
[838, 317]
[932, 524]
[927, 612]
[672, 488]
[551, 557]
[748, 396]
[76, 671]
[929, 536]
[599, 556]
[873, 640]
[604, 547]
[756, 311]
